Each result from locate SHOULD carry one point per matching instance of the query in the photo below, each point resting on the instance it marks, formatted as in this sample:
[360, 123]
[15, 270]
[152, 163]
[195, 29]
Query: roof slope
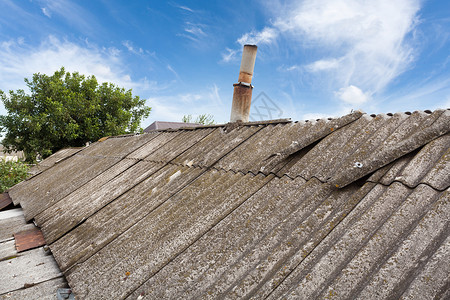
[353, 207]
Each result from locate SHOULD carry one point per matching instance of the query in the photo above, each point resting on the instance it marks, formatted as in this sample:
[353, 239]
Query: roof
[349, 207]
[161, 125]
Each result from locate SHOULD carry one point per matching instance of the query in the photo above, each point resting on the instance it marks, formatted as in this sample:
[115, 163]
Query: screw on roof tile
[358, 165]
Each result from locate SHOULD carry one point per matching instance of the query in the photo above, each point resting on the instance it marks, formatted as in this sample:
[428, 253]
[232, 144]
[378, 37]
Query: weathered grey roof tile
[324, 262]
[249, 155]
[269, 146]
[322, 160]
[39, 193]
[80, 205]
[429, 166]
[439, 175]
[417, 130]
[159, 237]
[118, 216]
[432, 281]
[214, 146]
[359, 271]
[53, 159]
[157, 140]
[117, 146]
[178, 145]
[396, 274]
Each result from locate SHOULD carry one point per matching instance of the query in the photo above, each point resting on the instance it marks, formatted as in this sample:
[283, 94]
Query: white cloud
[352, 95]
[130, 47]
[19, 60]
[230, 55]
[184, 8]
[194, 32]
[46, 12]
[323, 65]
[314, 116]
[169, 67]
[190, 98]
[195, 29]
[351, 42]
[266, 36]
[74, 14]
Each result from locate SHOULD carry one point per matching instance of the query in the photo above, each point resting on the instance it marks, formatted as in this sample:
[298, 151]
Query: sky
[316, 58]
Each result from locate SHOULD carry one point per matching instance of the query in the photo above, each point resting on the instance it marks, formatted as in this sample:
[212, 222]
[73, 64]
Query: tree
[205, 119]
[67, 110]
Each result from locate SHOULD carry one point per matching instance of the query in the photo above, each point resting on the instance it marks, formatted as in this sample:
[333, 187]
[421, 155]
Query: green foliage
[205, 119]
[11, 172]
[67, 110]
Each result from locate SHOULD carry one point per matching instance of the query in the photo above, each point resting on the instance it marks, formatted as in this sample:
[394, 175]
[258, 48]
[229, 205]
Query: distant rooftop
[161, 125]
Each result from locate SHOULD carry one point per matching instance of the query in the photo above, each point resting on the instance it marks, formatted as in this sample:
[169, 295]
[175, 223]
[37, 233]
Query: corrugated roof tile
[159, 237]
[214, 146]
[270, 145]
[53, 159]
[118, 146]
[432, 281]
[428, 166]
[157, 140]
[118, 216]
[397, 272]
[178, 145]
[417, 130]
[80, 205]
[39, 193]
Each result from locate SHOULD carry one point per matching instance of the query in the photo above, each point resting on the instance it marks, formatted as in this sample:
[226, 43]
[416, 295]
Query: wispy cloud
[267, 36]
[182, 7]
[364, 44]
[171, 69]
[74, 14]
[194, 31]
[185, 8]
[323, 65]
[131, 48]
[229, 55]
[46, 12]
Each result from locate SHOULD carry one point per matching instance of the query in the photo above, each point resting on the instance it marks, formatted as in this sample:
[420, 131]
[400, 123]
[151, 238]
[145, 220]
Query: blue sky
[316, 58]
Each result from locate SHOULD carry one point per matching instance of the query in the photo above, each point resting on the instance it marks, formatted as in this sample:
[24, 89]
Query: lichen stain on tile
[173, 176]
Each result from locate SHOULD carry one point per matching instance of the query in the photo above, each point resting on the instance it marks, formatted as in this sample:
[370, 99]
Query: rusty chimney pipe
[242, 95]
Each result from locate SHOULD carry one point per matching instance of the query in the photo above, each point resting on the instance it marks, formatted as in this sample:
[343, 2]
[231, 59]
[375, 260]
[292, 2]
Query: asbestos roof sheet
[53, 159]
[353, 207]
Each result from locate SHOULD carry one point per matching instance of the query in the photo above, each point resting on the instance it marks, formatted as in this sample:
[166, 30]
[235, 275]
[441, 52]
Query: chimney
[242, 95]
